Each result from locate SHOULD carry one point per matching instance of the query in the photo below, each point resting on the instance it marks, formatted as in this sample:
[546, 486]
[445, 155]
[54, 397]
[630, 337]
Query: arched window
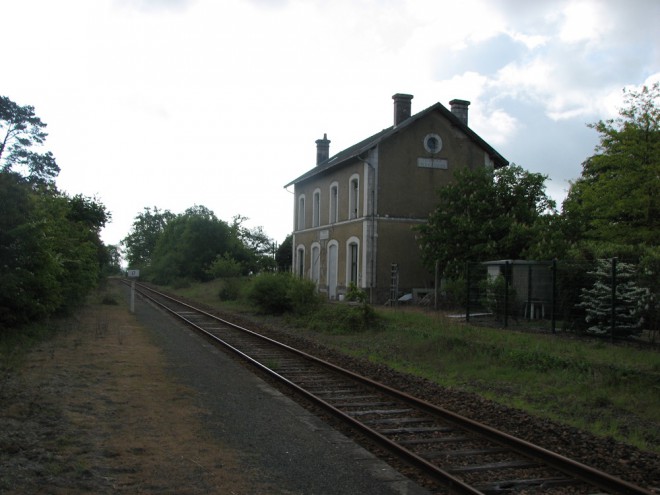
[352, 261]
[353, 197]
[300, 261]
[334, 203]
[332, 261]
[316, 208]
[301, 212]
[316, 262]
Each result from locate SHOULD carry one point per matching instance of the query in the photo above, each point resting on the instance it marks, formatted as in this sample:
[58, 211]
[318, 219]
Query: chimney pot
[322, 149]
[401, 107]
[460, 109]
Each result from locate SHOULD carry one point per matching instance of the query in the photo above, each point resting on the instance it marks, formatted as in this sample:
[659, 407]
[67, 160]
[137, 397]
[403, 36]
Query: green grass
[609, 390]
[15, 343]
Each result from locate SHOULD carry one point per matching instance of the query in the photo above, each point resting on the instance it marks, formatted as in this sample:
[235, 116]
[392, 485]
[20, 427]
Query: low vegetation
[609, 390]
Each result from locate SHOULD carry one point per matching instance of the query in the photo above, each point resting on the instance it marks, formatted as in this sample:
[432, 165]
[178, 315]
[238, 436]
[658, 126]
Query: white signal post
[133, 274]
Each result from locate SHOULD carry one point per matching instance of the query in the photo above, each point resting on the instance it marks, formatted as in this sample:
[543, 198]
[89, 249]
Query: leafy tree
[284, 254]
[51, 253]
[189, 244]
[256, 251]
[484, 215]
[141, 241]
[616, 200]
[22, 131]
[112, 266]
[224, 266]
[28, 271]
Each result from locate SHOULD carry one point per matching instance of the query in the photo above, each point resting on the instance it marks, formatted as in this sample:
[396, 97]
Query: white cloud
[583, 21]
[171, 103]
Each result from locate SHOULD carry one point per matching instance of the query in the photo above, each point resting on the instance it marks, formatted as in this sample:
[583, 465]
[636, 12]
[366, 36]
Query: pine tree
[628, 305]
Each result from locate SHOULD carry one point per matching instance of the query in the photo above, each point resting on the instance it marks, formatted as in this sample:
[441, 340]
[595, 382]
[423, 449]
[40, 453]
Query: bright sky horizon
[176, 103]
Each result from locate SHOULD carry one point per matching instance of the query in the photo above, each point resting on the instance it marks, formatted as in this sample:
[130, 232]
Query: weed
[272, 364]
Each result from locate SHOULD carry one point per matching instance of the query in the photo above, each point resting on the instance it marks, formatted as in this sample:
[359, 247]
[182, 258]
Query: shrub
[355, 294]
[495, 292]
[454, 294]
[270, 293]
[278, 293]
[225, 266]
[303, 295]
[343, 318]
[109, 300]
[361, 317]
[230, 289]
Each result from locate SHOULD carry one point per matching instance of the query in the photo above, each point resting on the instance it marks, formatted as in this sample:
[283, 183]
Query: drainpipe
[372, 219]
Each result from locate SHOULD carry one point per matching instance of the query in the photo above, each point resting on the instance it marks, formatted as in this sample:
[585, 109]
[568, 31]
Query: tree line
[195, 245]
[611, 210]
[51, 254]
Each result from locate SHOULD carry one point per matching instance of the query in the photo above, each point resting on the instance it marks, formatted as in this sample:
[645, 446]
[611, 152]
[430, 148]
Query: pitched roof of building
[366, 144]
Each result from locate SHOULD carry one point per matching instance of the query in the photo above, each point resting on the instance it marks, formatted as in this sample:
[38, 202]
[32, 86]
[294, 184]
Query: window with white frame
[334, 202]
[353, 197]
[353, 263]
[316, 208]
[300, 261]
[316, 262]
[301, 212]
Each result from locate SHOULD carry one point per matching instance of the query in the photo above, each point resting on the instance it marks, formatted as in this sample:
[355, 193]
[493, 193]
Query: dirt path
[94, 411]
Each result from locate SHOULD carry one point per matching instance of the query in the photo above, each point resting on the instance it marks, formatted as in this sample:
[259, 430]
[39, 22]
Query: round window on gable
[432, 143]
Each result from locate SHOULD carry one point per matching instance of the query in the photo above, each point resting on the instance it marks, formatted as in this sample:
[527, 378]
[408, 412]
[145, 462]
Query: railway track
[461, 455]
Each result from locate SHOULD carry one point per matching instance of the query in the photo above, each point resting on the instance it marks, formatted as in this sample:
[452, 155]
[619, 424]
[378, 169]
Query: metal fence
[601, 297]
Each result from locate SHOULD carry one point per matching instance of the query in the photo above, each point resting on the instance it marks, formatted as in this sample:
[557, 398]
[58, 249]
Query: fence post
[529, 291]
[437, 284]
[506, 294]
[467, 291]
[613, 299]
[553, 306]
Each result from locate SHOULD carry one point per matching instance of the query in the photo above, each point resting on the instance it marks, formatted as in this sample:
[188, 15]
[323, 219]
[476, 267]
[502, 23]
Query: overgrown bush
[343, 318]
[355, 294]
[495, 292]
[230, 289]
[454, 293]
[278, 293]
[225, 266]
[304, 297]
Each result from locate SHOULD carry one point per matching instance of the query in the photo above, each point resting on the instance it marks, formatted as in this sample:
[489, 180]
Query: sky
[177, 103]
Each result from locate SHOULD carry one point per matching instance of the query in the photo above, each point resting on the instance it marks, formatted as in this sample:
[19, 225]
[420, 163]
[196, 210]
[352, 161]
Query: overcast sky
[175, 103]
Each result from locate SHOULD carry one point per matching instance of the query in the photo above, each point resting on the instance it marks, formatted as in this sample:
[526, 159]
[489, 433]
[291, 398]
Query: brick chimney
[460, 109]
[401, 107]
[322, 149]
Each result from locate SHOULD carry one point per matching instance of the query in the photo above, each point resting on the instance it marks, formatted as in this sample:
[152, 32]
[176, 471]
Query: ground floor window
[353, 260]
[316, 263]
[300, 259]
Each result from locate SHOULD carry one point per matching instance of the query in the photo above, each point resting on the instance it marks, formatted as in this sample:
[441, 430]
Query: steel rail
[561, 463]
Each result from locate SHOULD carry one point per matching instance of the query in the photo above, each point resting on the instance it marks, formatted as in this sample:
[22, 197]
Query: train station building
[354, 211]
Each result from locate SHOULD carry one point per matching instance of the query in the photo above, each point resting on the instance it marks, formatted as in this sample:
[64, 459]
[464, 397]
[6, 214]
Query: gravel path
[289, 448]
[120, 403]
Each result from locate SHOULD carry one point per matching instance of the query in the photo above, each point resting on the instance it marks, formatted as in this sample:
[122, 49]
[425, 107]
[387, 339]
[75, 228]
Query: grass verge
[609, 390]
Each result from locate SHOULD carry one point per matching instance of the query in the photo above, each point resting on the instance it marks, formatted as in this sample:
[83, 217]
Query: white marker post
[133, 274]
